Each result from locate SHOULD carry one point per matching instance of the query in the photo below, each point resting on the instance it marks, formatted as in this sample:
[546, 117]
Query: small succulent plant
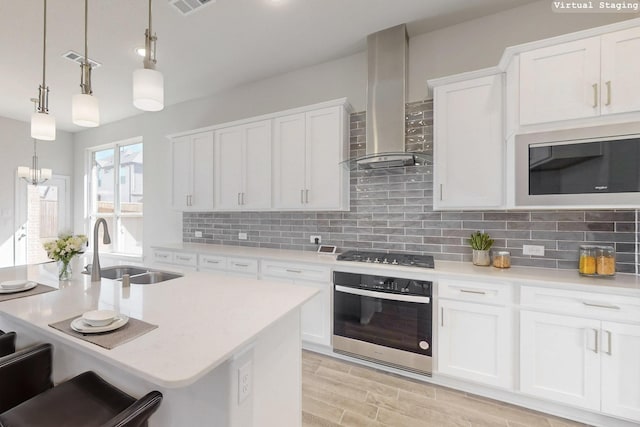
[480, 241]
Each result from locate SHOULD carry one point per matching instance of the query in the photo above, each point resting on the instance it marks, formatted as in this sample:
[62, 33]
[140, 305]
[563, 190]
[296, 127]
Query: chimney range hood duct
[387, 53]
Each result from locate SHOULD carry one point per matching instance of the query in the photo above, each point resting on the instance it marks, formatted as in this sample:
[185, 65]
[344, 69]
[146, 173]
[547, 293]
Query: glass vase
[64, 270]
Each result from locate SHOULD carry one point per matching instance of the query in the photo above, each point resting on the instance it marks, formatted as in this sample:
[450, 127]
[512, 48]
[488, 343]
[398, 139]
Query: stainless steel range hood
[387, 53]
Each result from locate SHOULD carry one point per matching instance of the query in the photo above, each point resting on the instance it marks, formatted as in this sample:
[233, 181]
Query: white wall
[17, 149]
[471, 45]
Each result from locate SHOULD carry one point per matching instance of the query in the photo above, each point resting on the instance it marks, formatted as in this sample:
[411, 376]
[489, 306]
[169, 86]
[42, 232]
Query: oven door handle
[383, 295]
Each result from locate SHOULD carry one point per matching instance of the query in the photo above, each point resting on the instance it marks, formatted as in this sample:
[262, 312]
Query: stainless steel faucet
[95, 266]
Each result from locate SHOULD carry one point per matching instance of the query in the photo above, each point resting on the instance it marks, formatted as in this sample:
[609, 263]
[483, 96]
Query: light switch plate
[242, 236]
[198, 233]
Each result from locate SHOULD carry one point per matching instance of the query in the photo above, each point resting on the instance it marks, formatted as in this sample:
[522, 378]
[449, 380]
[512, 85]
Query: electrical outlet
[244, 382]
[315, 239]
[534, 250]
[242, 236]
[198, 233]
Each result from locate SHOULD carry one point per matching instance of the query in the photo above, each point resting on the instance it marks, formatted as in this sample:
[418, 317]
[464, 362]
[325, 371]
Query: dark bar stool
[7, 343]
[28, 398]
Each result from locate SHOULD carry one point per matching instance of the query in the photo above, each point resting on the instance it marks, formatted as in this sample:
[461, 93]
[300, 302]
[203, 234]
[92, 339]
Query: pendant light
[84, 106]
[148, 83]
[43, 125]
[34, 175]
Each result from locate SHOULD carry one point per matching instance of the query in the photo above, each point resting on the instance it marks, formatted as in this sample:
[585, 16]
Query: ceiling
[220, 46]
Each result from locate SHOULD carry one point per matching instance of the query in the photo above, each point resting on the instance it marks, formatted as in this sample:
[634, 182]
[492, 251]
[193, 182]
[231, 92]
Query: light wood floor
[337, 393]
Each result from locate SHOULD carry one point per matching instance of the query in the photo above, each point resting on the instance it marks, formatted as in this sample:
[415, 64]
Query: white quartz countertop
[202, 318]
[621, 284]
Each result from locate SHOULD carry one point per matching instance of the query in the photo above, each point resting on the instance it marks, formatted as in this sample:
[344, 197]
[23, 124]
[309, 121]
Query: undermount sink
[116, 272]
[137, 275]
[153, 277]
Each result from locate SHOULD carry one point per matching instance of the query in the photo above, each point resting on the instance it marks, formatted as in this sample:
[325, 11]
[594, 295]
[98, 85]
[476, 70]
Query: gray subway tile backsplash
[392, 210]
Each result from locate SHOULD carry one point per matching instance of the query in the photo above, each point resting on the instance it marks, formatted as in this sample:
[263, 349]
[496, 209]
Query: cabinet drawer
[243, 265]
[188, 259]
[163, 256]
[586, 304]
[488, 293]
[295, 271]
[212, 262]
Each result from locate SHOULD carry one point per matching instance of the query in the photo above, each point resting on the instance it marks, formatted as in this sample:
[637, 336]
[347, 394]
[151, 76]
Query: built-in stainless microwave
[579, 167]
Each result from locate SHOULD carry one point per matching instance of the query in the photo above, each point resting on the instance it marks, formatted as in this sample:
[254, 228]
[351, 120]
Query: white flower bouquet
[64, 249]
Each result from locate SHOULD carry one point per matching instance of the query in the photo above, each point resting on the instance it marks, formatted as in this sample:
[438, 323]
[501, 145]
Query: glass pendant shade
[148, 89]
[85, 111]
[34, 176]
[43, 126]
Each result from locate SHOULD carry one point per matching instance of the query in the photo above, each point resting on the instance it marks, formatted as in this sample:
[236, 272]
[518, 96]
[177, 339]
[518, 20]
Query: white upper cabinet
[282, 161]
[192, 157]
[308, 149]
[620, 71]
[581, 79]
[560, 82]
[468, 144]
[242, 159]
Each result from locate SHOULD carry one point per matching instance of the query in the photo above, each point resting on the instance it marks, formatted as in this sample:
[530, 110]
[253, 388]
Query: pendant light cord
[44, 43]
[86, 44]
[150, 32]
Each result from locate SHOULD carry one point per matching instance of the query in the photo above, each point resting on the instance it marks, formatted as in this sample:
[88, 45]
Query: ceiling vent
[76, 57]
[187, 7]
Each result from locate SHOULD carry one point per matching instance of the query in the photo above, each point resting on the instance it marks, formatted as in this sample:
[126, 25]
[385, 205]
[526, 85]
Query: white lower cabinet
[474, 332]
[316, 313]
[582, 362]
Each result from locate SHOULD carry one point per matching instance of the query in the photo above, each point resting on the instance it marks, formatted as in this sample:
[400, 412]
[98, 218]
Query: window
[116, 195]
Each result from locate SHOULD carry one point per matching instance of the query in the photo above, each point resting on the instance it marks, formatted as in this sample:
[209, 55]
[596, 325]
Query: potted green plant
[481, 243]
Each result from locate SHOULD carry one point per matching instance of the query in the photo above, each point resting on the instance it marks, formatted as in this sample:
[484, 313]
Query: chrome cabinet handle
[241, 265]
[610, 307]
[186, 200]
[212, 262]
[302, 196]
[242, 198]
[294, 271]
[595, 349]
[440, 192]
[467, 291]
[306, 197]
[239, 199]
[182, 258]
[442, 316]
[162, 256]
[608, 84]
[595, 94]
[608, 342]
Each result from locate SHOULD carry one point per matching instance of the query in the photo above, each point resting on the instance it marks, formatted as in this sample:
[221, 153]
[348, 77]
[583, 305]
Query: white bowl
[99, 317]
[14, 284]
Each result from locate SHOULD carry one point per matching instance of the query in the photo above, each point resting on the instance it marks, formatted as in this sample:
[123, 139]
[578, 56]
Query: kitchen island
[209, 327]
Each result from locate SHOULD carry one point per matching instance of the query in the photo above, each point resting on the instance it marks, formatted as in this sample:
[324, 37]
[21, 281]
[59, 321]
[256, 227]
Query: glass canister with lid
[502, 259]
[587, 264]
[605, 261]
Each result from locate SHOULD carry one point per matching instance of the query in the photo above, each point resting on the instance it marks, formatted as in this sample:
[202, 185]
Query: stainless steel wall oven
[383, 319]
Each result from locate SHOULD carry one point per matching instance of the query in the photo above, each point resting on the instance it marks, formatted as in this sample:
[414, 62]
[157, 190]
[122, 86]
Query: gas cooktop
[407, 260]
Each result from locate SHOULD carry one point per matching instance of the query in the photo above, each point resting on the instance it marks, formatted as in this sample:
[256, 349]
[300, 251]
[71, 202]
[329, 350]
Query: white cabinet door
[181, 170]
[257, 166]
[620, 358]
[560, 82]
[474, 342]
[228, 168]
[559, 358]
[289, 161]
[202, 171]
[620, 85]
[324, 152]
[316, 315]
[468, 144]
[192, 180]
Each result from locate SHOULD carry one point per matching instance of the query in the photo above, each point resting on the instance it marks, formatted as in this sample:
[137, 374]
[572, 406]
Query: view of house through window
[116, 195]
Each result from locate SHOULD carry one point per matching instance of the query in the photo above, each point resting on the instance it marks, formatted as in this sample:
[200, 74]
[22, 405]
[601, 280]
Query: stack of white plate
[11, 286]
[97, 321]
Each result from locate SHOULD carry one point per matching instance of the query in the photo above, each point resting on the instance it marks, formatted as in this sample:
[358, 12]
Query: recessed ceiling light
[140, 51]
